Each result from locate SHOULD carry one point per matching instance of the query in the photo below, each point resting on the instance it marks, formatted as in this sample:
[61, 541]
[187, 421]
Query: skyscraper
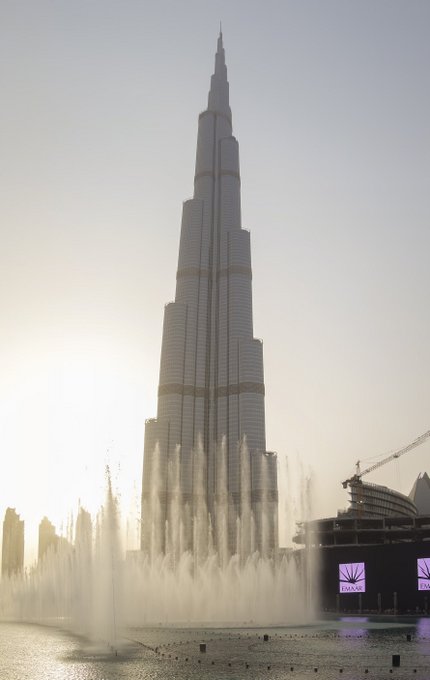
[12, 560]
[48, 539]
[208, 481]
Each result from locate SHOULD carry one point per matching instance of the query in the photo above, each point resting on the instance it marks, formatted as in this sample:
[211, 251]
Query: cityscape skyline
[331, 102]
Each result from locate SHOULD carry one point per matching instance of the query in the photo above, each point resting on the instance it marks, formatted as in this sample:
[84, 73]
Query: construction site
[374, 557]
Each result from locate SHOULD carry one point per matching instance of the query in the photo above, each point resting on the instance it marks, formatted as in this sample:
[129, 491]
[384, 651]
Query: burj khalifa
[209, 485]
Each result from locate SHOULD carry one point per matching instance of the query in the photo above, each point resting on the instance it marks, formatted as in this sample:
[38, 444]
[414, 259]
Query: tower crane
[356, 479]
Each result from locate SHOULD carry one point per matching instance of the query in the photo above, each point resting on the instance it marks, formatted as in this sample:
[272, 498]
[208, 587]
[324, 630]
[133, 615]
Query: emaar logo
[351, 589]
[423, 568]
[352, 577]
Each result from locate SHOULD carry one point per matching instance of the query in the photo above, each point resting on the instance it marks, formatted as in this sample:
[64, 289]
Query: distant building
[84, 534]
[48, 539]
[84, 528]
[420, 494]
[13, 544]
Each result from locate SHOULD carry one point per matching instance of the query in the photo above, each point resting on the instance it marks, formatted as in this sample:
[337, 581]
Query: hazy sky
[100, 99]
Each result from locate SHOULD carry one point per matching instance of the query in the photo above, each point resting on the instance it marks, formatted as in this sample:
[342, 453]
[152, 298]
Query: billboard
[423, 569]
[352, 577]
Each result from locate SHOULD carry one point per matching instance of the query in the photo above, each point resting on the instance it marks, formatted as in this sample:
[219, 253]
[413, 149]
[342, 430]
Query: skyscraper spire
[207, 478]
[219, 91]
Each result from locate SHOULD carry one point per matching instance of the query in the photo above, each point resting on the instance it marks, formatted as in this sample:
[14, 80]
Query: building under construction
[375, 556]
[374, 562]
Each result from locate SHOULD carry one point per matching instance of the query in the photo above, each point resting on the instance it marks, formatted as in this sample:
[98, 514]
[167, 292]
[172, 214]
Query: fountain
[90, 588]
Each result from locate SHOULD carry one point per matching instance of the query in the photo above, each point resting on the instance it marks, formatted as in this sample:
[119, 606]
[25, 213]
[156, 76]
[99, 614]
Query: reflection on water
[31, 652]
[351, 627]
[423, 627]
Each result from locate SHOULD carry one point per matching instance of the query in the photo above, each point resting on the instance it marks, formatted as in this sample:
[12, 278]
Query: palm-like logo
[424, 568]
[351, 573]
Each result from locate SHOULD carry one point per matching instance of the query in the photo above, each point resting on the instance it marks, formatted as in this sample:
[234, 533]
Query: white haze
[331, 108]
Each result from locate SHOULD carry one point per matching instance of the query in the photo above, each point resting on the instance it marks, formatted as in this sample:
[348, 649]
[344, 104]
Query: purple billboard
[352, 578]
[423, 568]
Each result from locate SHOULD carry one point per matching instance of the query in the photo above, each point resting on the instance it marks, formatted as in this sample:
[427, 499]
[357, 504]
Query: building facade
[375, 557]
[12, 561]
[370, 564]
[374, 500]
[208, 481]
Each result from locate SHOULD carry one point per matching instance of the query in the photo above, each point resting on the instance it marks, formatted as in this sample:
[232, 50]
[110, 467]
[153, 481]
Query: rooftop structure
[420, 494]
[344, 531]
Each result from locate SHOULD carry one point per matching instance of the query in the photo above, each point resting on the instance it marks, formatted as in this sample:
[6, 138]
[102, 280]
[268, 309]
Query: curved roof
[373, 500]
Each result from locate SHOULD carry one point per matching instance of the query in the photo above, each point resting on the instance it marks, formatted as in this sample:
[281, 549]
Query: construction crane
[356, 479]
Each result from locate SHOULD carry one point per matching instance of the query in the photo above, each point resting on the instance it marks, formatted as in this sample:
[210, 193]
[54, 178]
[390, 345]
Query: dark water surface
[343, 648]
